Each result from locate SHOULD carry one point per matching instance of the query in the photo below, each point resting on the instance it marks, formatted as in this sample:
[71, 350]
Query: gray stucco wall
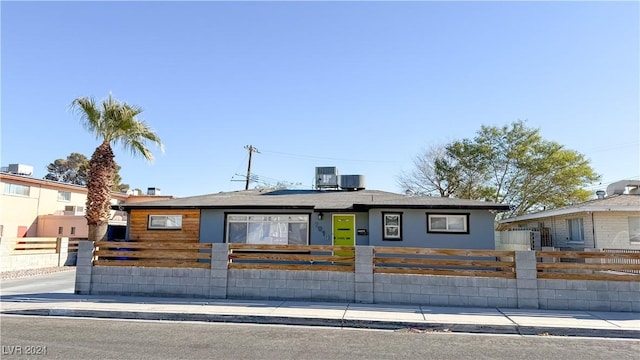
[212, 226]
[414, 229]
[320, 230]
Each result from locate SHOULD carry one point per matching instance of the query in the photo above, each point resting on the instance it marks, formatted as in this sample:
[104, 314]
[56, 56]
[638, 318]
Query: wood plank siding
[190, 232]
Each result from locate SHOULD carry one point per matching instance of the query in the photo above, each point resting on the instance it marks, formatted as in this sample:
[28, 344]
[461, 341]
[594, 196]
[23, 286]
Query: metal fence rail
[604, 265]
[625, 260]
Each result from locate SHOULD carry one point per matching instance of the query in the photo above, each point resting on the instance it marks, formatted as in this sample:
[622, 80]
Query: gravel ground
[32, 272]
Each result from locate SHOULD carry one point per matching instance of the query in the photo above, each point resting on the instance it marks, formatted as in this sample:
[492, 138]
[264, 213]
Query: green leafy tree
[511, 165]
[113, 123]
[118, 186]
[75, 170]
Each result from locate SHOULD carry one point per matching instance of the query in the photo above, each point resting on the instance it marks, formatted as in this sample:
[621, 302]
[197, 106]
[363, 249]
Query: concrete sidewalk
[353, 315]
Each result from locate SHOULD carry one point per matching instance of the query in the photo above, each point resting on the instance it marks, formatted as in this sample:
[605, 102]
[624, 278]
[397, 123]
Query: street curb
[341, 323]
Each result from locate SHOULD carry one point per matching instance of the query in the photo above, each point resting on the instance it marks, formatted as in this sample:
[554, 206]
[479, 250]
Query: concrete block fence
[362, 286]
[14, 261]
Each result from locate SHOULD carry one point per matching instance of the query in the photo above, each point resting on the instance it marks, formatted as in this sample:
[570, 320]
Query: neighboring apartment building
[42, 208]
[33, 207]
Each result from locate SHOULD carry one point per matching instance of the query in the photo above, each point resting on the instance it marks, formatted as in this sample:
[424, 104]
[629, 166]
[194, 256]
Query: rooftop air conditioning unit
[20, 169]
[327, 177]
[352, 182]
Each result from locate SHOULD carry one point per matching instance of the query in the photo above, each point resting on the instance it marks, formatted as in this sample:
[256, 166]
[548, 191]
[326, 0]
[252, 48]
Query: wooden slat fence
[37, 245]
[73, 244]
[452, 262]
[292, 257]
[28, 246]
[609, 265]
[144, 254]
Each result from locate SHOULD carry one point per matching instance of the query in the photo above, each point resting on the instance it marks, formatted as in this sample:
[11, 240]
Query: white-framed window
[634, 229]
[448, 223]
[17, 189]
[576, 230]
[391, 226]
[64, 196]
[270, 229]
[165, 222]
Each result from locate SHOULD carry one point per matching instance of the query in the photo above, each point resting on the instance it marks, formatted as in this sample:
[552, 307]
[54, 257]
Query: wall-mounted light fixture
[320, 216]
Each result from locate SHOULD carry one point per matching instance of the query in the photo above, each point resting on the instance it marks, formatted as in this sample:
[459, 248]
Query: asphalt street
[80, 338]
[56, 283]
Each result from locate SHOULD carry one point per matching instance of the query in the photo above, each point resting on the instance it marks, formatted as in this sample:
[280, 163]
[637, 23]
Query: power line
[604, 184]
[299, 156]
[271, 182]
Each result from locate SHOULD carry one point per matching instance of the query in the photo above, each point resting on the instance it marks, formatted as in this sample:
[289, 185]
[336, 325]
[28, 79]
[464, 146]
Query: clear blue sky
[364, 86]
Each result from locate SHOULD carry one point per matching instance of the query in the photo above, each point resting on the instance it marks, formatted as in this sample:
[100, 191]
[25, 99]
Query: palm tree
[112, 123]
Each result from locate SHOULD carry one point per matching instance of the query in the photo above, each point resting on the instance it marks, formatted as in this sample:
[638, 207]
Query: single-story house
[316, 217]
[611, 221]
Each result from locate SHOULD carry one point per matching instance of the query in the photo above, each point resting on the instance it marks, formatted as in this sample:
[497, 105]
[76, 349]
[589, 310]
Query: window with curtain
[391, 226]
[576, 230]
[269, 229]
[64, 196]
[16, 189]
[165, 222]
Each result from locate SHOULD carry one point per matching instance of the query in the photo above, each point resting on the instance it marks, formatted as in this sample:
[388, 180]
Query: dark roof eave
[435, 207]
[243, 207]
[355, 207]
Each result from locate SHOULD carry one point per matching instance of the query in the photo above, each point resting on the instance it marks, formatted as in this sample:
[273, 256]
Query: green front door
[344, 233]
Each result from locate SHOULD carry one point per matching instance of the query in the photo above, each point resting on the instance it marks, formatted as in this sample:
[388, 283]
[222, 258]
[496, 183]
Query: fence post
[596, 260]
[63, 250]
[549, 260]
[84, 267]
[364, 274]
[526, 280]
[7, 245]
[219, 270]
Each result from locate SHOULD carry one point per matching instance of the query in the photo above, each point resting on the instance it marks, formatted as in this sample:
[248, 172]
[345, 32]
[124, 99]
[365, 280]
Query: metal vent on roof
[619, 187]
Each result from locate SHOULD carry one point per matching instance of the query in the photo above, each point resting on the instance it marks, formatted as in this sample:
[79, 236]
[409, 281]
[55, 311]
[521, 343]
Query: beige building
[42, 221]
[32, 207]
[608, 222]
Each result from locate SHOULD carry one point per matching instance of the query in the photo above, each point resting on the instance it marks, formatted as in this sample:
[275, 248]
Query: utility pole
[251, 150]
